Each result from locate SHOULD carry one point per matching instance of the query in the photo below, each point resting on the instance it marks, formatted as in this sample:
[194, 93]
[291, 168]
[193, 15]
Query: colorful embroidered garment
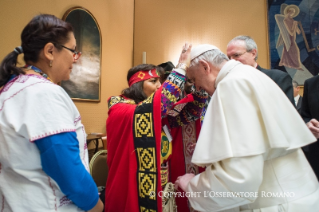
[134, 146]
[134, 131]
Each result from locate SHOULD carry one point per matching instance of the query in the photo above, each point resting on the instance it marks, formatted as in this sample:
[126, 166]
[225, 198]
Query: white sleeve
[180, 71]
[227, 184]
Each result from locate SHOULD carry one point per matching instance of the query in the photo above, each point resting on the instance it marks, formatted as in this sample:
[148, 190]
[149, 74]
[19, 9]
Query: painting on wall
[294, 37]
[85, 79]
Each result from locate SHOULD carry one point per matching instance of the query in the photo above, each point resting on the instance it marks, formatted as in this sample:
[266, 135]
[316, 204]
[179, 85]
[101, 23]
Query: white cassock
[250, 145]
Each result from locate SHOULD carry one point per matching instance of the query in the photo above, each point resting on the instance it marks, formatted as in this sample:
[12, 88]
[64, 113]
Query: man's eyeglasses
[76, 55]
[236, 55]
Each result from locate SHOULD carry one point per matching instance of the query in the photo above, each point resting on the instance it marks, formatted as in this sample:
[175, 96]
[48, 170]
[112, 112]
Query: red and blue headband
[143, 75]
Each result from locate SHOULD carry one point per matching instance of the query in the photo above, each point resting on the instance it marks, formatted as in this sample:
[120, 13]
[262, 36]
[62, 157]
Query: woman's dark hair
[41, 30]
[168, 68]
[163, 77]
[136, 92]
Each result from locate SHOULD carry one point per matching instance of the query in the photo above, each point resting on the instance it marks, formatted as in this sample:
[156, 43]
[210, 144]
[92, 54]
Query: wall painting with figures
[294, 37]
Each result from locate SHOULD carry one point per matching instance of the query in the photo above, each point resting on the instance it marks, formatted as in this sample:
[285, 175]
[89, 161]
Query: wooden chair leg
[96, 145]
[104, 143]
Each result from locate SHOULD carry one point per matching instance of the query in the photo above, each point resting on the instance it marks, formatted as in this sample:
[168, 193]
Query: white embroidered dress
[31, 107]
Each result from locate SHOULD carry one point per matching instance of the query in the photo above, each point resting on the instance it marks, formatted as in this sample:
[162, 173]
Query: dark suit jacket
[310, 100]
[282, 79]
[298, 106]
[310, 110]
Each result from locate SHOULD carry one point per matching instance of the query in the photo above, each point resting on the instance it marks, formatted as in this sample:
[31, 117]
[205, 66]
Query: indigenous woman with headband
[139, 141]
[43, 152]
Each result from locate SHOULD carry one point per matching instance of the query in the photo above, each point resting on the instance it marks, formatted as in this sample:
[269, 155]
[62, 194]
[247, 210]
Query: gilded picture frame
[85, 79]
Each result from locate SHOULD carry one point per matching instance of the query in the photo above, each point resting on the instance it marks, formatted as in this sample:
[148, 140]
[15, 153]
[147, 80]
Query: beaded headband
[142, 75]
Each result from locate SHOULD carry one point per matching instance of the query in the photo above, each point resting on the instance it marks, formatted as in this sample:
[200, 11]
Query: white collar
[229, 65]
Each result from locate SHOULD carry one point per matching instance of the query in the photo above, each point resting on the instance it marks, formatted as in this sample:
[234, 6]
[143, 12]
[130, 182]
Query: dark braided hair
[42, 29]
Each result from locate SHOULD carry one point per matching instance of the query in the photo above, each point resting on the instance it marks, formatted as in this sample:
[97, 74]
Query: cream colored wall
[115, 18]
[162, 26]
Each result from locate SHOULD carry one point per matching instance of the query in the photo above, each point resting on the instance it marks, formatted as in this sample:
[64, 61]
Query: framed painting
[294, 37]
[85, 79]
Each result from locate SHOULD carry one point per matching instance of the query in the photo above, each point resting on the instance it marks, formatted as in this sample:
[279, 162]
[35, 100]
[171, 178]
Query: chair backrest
[98, 168]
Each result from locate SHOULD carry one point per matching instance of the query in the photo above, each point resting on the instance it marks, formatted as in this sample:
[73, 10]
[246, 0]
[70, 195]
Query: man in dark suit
[244, 49]
[297, 97]
[310, 114]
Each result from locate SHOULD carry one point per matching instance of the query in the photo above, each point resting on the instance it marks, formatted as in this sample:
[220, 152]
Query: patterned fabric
[177, 79]
[177, 110]
[119, 99]
[202, 116]
[164, 174]
[140, 124]
[136, 172]
[147, 156]
[189, 141]
[190, 112]
[171, 93]
[143, 75]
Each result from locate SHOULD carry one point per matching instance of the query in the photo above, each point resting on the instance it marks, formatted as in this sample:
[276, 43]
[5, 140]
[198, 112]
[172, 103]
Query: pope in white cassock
[249, 142]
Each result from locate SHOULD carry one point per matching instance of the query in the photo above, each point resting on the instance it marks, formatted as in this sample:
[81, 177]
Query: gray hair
[250, 43]
[295, 84]
[215, 57]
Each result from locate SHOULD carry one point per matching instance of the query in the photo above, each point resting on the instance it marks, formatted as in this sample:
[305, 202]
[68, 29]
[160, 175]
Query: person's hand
[313, 126]
[182, 181]
[297, 30]
[184, 58]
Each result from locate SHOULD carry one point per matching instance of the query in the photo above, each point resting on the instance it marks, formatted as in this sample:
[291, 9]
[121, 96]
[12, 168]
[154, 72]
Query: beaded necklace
[30, 67]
